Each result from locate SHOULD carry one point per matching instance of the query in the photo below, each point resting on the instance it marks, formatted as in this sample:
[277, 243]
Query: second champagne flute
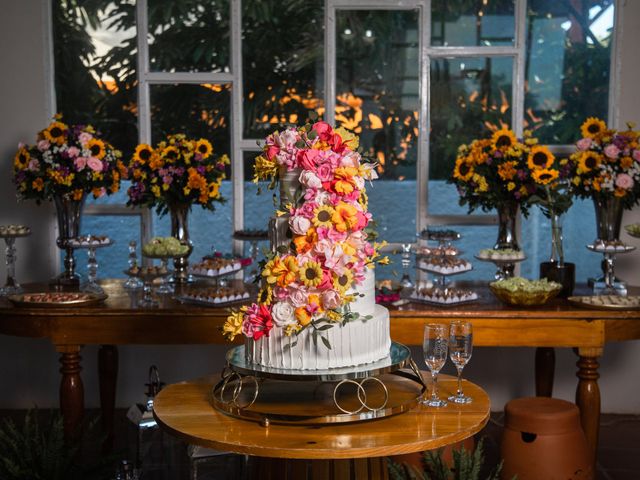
[436, 338]
[460, 349]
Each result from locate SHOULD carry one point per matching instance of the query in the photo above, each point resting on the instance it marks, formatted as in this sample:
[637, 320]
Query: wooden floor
[618, 456]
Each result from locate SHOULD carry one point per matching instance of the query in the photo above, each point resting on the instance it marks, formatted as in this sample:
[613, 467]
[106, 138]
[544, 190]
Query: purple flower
[201, 170]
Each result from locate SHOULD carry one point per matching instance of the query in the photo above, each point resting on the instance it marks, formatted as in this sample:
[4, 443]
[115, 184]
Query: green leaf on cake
[326, 342]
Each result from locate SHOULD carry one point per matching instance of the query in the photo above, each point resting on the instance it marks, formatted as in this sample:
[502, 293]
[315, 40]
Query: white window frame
[240, 145]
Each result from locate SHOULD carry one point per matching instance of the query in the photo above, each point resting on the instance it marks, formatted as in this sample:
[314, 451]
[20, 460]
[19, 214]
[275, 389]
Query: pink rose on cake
[283, 314]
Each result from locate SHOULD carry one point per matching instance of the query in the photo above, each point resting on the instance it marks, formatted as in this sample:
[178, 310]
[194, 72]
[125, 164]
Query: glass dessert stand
[387, 387]
[10, 233]
[148, 275]
[90, 243]
[165, 287]
[253, 237]
[506, 266]
[608, 285]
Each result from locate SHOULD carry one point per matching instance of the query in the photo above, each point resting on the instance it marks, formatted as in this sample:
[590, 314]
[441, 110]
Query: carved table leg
[108, 375]
[588, 395]
[71, 390]
[545, 370]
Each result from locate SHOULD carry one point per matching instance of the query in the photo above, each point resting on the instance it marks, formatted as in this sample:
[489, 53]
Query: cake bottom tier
[355, 343]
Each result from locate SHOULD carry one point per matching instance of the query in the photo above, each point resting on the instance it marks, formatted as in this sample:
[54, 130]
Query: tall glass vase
[556, 269]
[609, 210]
[179, 214]
[69, 216]
[507, 233]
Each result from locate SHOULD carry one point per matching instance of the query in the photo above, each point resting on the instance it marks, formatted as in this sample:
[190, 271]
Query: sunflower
[544, 176]
[503, 139]
[592, 127]
[540, 158]
[96, 148]
[170, 153]
[342, 282]
[204, 148]
[21, 160]
[588, 161]
[55, 132]
[311, 273]
[143, 153]
[322, 216]
[265, 295]
[462, 171]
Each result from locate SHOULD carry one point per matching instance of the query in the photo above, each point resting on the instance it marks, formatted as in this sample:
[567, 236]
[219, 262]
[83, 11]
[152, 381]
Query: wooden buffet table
[118, 322]
[335, 450]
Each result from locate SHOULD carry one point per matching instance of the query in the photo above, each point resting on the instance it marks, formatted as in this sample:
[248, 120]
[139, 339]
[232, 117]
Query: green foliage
[37, 451]
[466, 466]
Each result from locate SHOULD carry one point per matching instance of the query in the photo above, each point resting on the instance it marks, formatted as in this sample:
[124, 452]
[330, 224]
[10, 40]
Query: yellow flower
[342, 282]
[463, 170]
[233, 324]
[333, 316]
[322, 216]
[78, 193]
[507, 170]
[156, 191]
[303, 316]
[503, 139]
[344, 217]
[311, 274]
[592, 127]
[263, 168]
[481, 182]
[55, 132]
[38, 184]
[348, 138]
[265, 295]
[384, 261]
[540, 158]
[280, 271]
[345, 183]
[204, 148]
[170, 154]
[96, 148]
[588, 161]
[21, 160]
[626, 163]
[143, 153]
[511, 186]
[292, 329]
[544, 176]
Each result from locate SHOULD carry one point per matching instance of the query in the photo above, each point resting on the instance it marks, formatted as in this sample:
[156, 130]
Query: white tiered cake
[316, 309]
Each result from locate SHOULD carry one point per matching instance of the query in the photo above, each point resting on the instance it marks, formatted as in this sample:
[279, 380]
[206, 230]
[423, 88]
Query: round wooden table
[185, 410]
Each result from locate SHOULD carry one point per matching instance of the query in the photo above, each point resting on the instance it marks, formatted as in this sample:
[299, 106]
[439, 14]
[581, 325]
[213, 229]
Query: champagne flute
[436, 338]
[460, 349]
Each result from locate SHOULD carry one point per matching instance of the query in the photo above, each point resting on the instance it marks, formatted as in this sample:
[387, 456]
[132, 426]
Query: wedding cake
[316, 309]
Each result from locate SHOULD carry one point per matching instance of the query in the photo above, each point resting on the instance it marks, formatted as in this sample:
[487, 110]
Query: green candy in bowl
[522, 292]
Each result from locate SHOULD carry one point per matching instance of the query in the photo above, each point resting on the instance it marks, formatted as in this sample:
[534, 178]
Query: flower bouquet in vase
[606, 169]
[67, 163]
[178, 173]
[500, 173]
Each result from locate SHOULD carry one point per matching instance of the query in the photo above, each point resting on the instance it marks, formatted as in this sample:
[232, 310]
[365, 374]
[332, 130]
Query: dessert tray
[443, 297]
[445, 265]
[14, 231]
[148, 273]
[387, 387]
[439, 235]
[56, 299]
[214, 267]
[89, 241]
[606, 302]
[214, 297]
[506, 255]
[439, 251]
[610, 247]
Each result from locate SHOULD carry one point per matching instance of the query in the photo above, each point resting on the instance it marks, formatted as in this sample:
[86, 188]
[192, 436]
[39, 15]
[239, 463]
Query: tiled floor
[618, 455]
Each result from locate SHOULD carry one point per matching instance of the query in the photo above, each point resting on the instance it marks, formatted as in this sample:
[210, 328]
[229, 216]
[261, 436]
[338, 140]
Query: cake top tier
[309, 280]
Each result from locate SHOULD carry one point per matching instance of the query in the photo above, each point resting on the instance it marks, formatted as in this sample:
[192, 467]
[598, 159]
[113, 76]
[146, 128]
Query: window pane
[195, 110]
[188, 35]
[95, 68]
[470, 97]
[377, 77]
[472, 22]
[567, 66]
[112, 261]
[283, 63]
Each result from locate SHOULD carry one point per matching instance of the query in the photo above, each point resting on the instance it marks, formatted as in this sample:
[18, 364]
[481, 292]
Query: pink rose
[84, 137]
[310, 179]
[297, 297]
[80, 163]
[34, 165]
[325, 172]
[73, 152]
[323, 129]
[272, 151]
[331, 299]
[351, 159]
[636, 155]
[583, 144]
[43, 145]
[307, 159]
[336, 236]
[94, 164]
[299, 224]
[362, 220]
[624, 181]
[327, 281]
[611, 151]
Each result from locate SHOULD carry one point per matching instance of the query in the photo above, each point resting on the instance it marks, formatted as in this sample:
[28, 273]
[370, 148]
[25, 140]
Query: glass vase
[608, 217]
[69, 216]
[556, 269]
[507, 233]
[179, 214]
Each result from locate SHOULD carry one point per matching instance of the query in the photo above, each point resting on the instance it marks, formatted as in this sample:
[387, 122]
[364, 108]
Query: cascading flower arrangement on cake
[321, 250]
[67, 160]
[179, 171]
[607, 163]
[501, 169]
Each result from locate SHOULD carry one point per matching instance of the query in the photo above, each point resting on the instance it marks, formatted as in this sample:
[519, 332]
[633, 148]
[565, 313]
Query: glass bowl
[524, 297]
